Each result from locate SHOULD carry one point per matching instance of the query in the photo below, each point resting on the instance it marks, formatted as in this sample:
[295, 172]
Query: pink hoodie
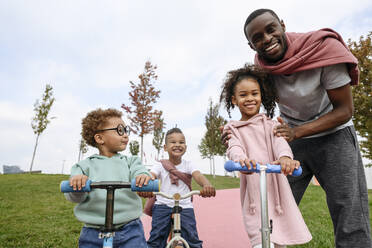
[254, 139]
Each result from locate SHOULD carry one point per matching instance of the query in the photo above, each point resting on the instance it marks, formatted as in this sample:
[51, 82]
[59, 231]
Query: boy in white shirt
[176, 175]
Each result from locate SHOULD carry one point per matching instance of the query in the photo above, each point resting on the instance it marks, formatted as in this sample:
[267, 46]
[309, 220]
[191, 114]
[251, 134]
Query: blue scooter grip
[271, 168]
[66, 188]
[152, 186]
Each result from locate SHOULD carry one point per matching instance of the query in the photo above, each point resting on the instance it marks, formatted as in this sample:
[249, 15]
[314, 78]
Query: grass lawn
[33, 213]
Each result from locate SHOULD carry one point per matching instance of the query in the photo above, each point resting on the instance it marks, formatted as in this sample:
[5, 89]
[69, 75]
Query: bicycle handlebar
[172, 197]
[270, 168]
[152, 186]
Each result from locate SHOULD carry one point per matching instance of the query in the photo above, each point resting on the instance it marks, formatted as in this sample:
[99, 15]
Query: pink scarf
[174, 175]
[313, 50]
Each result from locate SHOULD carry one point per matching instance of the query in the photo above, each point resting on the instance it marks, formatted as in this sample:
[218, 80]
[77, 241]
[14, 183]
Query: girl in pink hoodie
[252, 141]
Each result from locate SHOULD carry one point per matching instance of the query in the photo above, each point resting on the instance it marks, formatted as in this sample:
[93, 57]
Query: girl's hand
[145, 194]
[78, 181]
[288, 165]
[208, 191]
[283, 130]
[249, 163]
[143, 179]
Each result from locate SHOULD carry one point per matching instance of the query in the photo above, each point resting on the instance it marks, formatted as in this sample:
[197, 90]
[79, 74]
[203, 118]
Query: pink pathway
[219, 220]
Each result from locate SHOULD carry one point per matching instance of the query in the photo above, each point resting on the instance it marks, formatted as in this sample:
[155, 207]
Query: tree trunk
[79, 155]
[224, 161]
[33, 155]
[142, 149]
[214, 168]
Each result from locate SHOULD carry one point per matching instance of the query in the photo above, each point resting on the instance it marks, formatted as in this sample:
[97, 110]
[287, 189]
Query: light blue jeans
[130, 235]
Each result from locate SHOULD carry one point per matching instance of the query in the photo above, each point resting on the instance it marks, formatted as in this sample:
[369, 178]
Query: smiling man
[312, 73]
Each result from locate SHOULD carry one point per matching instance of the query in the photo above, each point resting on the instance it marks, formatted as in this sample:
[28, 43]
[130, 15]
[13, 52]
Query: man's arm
[343, 108]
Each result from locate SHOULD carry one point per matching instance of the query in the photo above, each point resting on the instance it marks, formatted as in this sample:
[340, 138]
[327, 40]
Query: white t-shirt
[167, 187]
[303, 95]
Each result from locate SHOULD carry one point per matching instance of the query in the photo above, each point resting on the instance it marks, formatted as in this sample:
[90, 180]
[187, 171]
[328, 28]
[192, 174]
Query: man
[312, 73]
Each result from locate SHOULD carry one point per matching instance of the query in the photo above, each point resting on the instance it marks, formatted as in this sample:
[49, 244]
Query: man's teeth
[271, 47]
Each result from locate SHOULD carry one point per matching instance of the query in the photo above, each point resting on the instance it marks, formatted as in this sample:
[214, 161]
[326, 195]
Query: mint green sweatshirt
[92, 206]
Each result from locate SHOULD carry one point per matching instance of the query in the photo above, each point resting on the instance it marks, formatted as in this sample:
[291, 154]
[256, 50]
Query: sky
[89, 51]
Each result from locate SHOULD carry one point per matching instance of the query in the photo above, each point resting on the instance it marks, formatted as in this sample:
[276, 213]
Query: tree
[205, 153]
[211, 144]
[158, 138]
[362, 93]
[83, 148]
[134, 147]
[40, 121]
[143, 96]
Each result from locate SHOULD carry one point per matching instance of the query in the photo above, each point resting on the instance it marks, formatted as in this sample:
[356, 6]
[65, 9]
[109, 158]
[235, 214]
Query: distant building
[12, 169]
[15, 169]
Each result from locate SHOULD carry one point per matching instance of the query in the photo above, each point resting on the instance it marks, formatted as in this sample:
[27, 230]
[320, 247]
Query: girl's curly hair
[95, 120]
[268, 90]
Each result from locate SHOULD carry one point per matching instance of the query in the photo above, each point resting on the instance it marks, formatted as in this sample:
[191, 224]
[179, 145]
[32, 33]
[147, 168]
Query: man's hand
[283, 130]
[78, 181]
[226, 135]
[208, 191]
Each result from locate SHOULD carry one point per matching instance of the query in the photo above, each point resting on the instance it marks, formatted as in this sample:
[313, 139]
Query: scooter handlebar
[152, 186]
[270, 168]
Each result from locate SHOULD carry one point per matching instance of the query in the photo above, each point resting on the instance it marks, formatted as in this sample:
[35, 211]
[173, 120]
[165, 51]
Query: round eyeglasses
[120, 129]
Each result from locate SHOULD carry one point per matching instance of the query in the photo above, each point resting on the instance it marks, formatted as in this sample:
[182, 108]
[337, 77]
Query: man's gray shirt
[303, 95]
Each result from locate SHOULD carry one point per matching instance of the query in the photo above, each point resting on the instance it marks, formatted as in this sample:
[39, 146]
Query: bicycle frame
[266, 228]
[108, 232]
[176, 216]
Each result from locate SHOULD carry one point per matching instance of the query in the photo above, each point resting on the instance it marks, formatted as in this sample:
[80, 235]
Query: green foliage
[143, 96]
[35, 214]
[83, 148]
[40, 121]
[211, 144]
[41, 109]
[362, 93]
[203, 149]
[134, 147]
[158, 138]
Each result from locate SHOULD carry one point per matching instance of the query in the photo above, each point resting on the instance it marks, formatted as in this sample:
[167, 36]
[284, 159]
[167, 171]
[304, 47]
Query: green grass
[33, 213]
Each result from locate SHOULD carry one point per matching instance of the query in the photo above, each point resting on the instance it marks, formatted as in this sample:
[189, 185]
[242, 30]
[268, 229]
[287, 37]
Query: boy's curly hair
[94, 121]
[268, 90]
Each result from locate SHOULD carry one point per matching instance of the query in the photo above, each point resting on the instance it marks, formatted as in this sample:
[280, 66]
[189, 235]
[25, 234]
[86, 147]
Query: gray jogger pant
[336, 162]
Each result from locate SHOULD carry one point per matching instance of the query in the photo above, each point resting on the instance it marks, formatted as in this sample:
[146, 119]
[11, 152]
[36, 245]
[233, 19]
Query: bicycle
[108, 232]
[176, 241]
[266, 226]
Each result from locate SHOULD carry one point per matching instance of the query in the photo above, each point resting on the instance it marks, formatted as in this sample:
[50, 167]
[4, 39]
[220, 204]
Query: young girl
[252, 141]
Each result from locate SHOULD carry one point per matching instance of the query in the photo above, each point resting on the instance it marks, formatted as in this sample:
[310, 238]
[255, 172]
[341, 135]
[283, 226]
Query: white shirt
[167, 187]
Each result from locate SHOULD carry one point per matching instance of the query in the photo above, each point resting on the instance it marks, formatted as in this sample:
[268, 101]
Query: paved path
[219, 220]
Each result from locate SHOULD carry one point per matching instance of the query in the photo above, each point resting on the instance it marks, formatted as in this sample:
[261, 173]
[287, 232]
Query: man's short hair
[256, 13]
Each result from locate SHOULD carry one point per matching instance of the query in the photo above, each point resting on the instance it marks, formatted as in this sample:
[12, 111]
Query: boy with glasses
[105, 130]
